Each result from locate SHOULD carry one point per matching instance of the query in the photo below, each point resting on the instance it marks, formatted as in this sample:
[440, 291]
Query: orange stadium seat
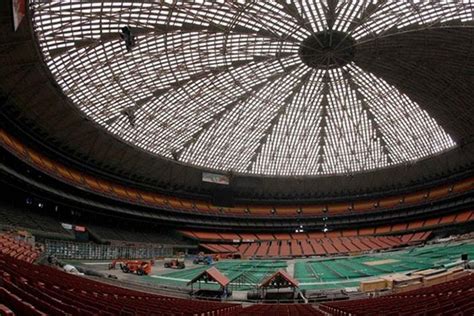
[315, 235]
[263, 249]
[399, 227]
[364, 205]
[36, 159]
[295, 248]
[104, 186]
[439, 192]
[390, 202]
[286, 210]
[349, 233]
[71, 175]
[465, 185]
[243, 248]
[263, 236]
[383, 229]
[432, 221]
[448, 219]
[349, 245]
[285, 248]
[464, 216]
[148, 198]
[282, 236]
[328, 246]
[132, 194]
[306, 248]
[229, 236]
[92, 183]
[334, 234]
[274, 249]
[120, 191]
[415, 198]
[63, 172]
[76, 176]
[340, 247]
[416, 224]
[366, 231]
[318, 249]
[246, 236]
[299, 236]
[313, 209]
[236, 211]
[260, 210]
[251, 250]
[338, 208]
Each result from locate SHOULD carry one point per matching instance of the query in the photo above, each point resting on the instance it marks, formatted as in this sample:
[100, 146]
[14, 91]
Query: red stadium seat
[39, 290]
[450, 298]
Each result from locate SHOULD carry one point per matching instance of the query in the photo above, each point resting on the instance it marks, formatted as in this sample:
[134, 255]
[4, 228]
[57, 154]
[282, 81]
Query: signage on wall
[215, 178]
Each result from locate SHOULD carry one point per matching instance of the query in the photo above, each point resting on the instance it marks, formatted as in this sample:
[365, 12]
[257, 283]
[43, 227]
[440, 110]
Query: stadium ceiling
[396, 95]
[260, 87]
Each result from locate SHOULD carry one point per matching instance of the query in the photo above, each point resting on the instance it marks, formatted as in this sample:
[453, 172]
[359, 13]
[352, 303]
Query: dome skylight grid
[220, 84]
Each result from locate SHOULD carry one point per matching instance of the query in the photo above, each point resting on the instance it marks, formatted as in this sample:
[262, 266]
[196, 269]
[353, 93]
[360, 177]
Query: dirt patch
[380, 262]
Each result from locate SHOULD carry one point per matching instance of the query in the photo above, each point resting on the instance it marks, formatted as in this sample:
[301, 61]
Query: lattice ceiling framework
[261, 87]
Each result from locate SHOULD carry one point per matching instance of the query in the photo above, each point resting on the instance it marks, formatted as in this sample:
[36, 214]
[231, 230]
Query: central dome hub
[327, 50]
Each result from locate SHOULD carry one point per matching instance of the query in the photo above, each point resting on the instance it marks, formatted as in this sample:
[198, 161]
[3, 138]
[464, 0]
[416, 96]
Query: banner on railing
[19, 12]
[66, 226]
[79, 228]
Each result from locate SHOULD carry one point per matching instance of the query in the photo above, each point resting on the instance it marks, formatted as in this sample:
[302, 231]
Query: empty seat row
[450, 298]
[318, 247]
[120, 235]
[398, 228]
[28, 289]
[280, 310]
[118, 191]
[10, 245]
[13, 217]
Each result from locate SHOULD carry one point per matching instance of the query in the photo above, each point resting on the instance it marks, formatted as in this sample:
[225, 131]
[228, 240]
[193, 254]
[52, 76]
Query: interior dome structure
[236, 157]
[282, 88]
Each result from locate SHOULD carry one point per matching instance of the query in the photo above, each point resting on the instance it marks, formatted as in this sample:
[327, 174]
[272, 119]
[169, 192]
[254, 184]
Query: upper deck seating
[120, 235]
[120, 192]
[404, 228]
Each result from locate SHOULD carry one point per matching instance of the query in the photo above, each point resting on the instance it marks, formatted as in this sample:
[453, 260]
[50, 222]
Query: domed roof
[261, 87]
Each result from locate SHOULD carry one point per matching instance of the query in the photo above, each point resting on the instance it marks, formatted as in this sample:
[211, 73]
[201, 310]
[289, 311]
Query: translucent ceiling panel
[261, 87]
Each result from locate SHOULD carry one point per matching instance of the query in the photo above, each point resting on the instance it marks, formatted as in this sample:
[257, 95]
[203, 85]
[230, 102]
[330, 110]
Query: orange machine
[139, 267]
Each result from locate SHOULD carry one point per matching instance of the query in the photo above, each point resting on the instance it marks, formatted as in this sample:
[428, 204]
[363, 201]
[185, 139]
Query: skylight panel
[227, 84]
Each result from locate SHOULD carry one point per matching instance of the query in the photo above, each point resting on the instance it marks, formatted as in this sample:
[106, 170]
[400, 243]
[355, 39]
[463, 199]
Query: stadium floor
[312, 273]
[326, 273]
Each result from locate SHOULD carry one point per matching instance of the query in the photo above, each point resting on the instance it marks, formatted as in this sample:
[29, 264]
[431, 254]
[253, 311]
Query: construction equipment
[204, 259]
[139, 267]
[174, 264]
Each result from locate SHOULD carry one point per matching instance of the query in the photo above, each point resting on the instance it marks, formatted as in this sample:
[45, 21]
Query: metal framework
[223, 84]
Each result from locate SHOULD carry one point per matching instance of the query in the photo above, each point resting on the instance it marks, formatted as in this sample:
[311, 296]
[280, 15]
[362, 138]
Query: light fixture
[127, 36]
